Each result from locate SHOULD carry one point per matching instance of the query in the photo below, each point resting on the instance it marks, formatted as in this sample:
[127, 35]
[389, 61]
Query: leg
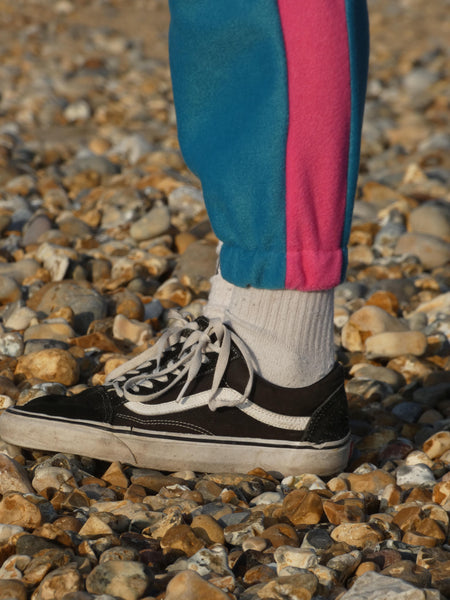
[269, 100]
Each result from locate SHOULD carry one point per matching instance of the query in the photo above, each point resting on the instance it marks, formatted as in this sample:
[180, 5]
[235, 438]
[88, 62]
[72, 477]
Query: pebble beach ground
[103, 230]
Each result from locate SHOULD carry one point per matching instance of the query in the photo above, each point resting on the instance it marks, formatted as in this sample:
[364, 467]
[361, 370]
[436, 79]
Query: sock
[220, 293]
[289, 333]
[219, 297]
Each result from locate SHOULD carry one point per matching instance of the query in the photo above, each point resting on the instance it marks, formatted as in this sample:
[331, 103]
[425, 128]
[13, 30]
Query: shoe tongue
[203, 323]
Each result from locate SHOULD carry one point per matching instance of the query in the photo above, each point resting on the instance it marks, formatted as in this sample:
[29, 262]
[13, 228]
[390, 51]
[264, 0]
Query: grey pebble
[86, 303]
[432, 218]
[372, 372]
[152, 224]
[374, 586]
[349, 290]
[11, 344]
[35, 227]
[234, 518]
[431, 395]
[129, 579]
[408, 411]
[99, 164]
[38, 345]
[19, 270]
[187, 200]
[197, 265]
[267, 498]
[415, 475]
[32, 544]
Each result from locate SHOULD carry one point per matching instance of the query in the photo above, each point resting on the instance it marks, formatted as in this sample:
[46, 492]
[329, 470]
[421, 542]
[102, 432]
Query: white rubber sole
[172, 452]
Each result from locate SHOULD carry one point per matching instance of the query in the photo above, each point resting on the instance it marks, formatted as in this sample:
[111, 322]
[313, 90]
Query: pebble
[372, 372]
[8, 531]
[279, 534]
[286, 556]
[372, 481]
[39, 224]
[152, 224]
[345, 564]
[86, 303]
[54, 365]
[205, 562]
[409, 572]
[119, 553]
[208, 529]
[188, 585]
[12, 589]
[300, 586]
[97, 164]
[391, 345]
[317, 539]
[436, 445]
[431, 218]
[20, 270]
[13, 476]
[302, 507]
[128, 579]
[181, 538]
[131, 330]
[415, 475]
[187, 200]
[360, 535]
[19, 509]
[196, 266]
[305, 480]
[366, 322]
[59, 582]
[267, 498]
[408, 411]
[11, 344]
[253, 525]
[49, 331]
[10, 290]
[18, 317]
[430, 250]
[374, 586]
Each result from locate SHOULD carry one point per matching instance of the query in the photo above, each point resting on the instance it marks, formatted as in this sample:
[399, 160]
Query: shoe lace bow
[129, 379]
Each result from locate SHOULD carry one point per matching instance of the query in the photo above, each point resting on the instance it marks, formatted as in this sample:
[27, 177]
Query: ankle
[289, 333]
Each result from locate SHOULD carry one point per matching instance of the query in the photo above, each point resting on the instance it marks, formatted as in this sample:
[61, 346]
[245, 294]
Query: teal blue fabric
[230, 88]
[358, 37]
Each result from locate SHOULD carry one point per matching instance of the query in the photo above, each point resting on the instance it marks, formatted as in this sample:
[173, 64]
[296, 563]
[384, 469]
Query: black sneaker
[193, 401]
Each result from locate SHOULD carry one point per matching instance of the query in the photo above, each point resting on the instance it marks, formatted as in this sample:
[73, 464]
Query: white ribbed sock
[289, 333]
[220, 294]
[219, 297]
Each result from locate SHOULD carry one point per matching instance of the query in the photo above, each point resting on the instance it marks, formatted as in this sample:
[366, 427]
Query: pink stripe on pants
[319, 93]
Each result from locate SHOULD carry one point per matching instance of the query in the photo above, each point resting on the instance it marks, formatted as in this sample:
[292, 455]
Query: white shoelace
[188, 363]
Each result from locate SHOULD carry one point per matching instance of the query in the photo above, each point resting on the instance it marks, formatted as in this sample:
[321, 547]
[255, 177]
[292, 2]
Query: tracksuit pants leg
[269, 96]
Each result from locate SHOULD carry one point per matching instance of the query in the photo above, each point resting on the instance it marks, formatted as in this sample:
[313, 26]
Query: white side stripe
[227, 396]
[271, 418]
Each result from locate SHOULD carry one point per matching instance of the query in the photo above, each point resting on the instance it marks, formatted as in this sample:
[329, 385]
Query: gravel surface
[103, 230]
